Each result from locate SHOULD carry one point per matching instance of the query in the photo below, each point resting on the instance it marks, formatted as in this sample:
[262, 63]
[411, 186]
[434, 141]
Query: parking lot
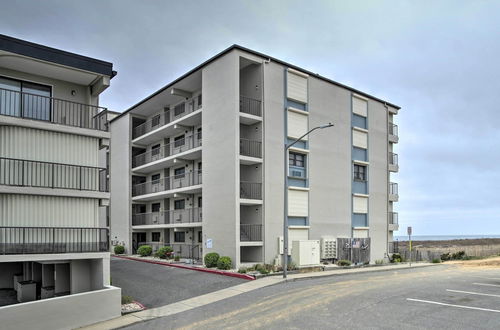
[155, 285]
[438, 297]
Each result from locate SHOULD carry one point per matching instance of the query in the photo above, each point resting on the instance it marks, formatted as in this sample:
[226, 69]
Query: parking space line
[452, 305]
[487, 284]
[476, 293]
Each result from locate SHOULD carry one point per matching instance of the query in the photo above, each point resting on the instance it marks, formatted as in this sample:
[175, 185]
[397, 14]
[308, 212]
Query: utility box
[328, 247]
[306, 253]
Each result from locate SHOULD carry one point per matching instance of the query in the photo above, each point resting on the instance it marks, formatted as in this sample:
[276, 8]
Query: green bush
[145, 250]
[164, 252]
[242, 270]
[177, 258]
[344, 263]
[211, 259]
[291, 266]
[379, 261]
[458, 255]
[446, 256]
[396, 257]
[127, 300]
[224, 263]
[436, 261]
[119, 249]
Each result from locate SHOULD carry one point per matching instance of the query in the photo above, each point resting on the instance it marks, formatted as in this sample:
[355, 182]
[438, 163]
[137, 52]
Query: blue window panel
[359, 121]
[359, 220]
[293, 182]
[297, 172]
[360, 187]
[297, 221]
[359, 154]
[299, 144]
[296, 105]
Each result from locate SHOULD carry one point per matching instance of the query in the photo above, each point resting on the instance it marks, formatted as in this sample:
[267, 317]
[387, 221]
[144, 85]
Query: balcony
[393, 247]
[166, 187]
[251, 151]
[393, 192]
[45, 240]
[393, 133]
[29, 173]
[171, 116]
[393, 162]
[393, 221]
[250, 193]
[169, 218]
[152, 160]
[250, 233]
[52, 110]
[250, 110]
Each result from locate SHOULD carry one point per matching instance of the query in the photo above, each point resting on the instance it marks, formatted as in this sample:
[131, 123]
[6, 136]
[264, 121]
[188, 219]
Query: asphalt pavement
[441, 297]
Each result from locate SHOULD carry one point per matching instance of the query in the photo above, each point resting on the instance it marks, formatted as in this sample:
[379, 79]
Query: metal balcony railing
[393, 188]
[51, 109]
[250, 106]
[393, 218]
[250, 233]
[393, 247]
[167, 150]
[168, 183]
[250, 148]
[41, 240]
[189, 251]
[168, 217]
[166, 117]
[250, 190]
[29, 173]
[393, 129]
[393, 158]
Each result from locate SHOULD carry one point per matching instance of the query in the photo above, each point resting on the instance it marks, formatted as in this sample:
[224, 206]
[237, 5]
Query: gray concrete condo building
[54, 250]
[198, 165]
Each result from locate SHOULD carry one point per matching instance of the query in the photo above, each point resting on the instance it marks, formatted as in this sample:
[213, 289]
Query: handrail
[393, 188]
[393, 158]
[250, 190]
[250, 105]
[393, 129]
[168, 183]
[251, 148]
[250, 232]
[189, 215]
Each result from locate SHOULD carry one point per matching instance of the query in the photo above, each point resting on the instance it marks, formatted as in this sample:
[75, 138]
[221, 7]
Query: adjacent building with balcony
[54, 250]
[198, 165]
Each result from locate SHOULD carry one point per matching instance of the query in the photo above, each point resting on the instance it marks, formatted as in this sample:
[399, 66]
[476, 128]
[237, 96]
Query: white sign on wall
[209, 243]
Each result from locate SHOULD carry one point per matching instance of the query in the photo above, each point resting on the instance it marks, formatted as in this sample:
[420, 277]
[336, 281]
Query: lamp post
[285, 210]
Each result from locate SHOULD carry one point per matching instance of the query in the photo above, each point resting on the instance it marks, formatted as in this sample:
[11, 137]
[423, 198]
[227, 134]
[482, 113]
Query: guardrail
[42, 240]
[393, 188]
[250, 190]
[393, 218]
[168, 183]
[168, 217]
[51, 109]
[393, 158]
[30, 173]
[250, 106]
[250, 232]
[167, 150]
[250, 148]
[393, 129]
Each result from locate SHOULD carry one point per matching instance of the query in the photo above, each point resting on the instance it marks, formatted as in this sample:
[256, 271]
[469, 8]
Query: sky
[438, 60]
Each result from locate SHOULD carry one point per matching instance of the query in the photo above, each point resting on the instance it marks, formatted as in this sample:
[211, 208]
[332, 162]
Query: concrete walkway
[212, 297]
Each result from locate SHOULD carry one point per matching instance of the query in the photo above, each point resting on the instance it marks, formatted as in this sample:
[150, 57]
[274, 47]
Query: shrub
[458, 255]
[344, 263]
[224, 263]
[379, 261]
[291, 266]
[242, 270]
[264, 271]
[211, 259]
[127, 300]
[396, 257]
[164, 252]
[145, 250]
[446, 256]
[436, 261]
[177, 258]
[119, 249]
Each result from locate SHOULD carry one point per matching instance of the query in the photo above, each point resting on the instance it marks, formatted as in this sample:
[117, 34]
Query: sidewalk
[212, 297]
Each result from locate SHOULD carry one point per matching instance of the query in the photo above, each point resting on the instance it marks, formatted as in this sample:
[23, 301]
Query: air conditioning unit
[328, 247]
[178, 218]
[297, 174]
[155, 218]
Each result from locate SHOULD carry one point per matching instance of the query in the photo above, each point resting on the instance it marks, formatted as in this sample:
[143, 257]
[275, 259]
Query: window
[155, 150]
[200, 237]
[295, 159]
[359, 172]
[179, 237]
[155, 237]
[179, 204]
[297, 221]
[199, 167]
[359, 121]
[36, 104]
[359, 220]
[155, 178]
[140, 208]
[198, 132]
[155, 207]
[155, 121]
[199, 201]
[179, 172]
[199, 101]
[179, 109]
[359, 154]
[179, 141]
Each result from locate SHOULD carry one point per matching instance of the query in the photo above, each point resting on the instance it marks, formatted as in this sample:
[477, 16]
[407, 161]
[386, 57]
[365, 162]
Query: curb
[205, 270]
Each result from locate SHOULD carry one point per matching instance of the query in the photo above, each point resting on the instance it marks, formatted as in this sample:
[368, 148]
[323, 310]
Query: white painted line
[487, 284]
[476, 293]
[451, 305]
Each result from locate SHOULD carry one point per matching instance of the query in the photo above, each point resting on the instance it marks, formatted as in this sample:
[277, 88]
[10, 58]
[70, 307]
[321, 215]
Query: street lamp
[285, 211]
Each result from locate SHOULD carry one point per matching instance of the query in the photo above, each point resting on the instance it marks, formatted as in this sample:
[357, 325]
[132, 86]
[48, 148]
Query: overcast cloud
[438, 60]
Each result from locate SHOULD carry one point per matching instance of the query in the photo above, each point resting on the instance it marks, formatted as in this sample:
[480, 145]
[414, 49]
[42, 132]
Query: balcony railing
[393, 188]
[393, 129]
[167, 150]
[393, 218]
[251, 148]
[51, 109]
[189, 251]
[393, 247]
[168, 217]
[250, 233]
[250, 190]
[250, 106]
[393, 158]
[29, 173]
[41, 240]
[168, 183]
[168, 116]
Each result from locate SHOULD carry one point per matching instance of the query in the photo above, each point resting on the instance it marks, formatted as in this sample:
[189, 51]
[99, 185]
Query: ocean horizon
[442, 237]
